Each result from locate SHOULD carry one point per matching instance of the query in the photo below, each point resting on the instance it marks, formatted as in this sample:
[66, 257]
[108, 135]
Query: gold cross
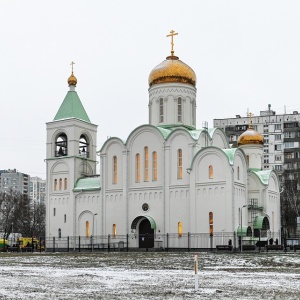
[72, 63]
[172, 33]
[250, 115]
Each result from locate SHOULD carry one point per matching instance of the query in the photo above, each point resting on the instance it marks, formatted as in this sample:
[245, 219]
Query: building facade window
[146, 164]
[65, 218]
[277, 137]
[87, 228]
[179, 163]
[66, 184]
[61, 145]
[211, 224]
[238, 173]
[179, 110]
[137, 167]
[115, 170]
[210, 172]
[179, 229]
[154, 165]
[114, 230]
[60, 184]
[54, 211]
[277, 126]
[161, 110]
[55, 184]
[59, 233]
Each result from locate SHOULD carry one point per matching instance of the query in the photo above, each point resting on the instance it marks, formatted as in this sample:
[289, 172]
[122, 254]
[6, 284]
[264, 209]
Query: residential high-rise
[37, 190]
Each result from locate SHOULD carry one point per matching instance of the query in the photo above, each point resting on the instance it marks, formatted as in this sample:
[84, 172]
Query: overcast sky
[246, 55]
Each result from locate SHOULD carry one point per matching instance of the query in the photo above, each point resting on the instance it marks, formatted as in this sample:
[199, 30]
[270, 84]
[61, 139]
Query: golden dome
[172, 70]
[250, 136]
[72, 80]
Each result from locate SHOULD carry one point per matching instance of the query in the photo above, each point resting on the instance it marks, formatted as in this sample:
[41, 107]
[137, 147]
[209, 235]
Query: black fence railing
[161, 242]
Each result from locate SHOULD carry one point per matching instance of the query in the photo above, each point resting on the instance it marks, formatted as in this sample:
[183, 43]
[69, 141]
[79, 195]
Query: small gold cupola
[72, 80]
[250, 136]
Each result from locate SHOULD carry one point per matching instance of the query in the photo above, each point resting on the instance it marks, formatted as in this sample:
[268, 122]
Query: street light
[93, 232]
[241, 210]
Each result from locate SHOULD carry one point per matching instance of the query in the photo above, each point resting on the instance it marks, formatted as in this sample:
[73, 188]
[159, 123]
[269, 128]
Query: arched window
[55, 184]
[54, 211]
[66, 184]
[61, 145]
[83, 146]
[179, 229]
[161, 110]
[179, 164]
[248, 159]
[59, 233]
[114, 230]
[211, 224]
[115, 168]
[60, 184]
[211, 172]
[179, 109]
[154, 165]
[65, 218]
[137, 168]
[87, 228]
[238, 173]
[146, 174]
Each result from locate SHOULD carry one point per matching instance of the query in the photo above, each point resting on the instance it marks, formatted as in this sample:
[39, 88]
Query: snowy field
[149, 276]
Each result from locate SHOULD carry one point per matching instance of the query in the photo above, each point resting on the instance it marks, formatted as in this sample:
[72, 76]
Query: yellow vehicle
[3, 244]
[27, 243]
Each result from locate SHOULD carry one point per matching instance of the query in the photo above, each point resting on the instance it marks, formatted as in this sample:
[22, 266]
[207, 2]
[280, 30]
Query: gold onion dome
[172, 70]
[250, 136]
[72, 80]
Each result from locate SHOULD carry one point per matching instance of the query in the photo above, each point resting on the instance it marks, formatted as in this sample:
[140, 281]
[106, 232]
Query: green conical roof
[72, 108]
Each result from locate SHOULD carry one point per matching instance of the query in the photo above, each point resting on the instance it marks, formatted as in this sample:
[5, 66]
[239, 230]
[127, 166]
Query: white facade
[166, 178]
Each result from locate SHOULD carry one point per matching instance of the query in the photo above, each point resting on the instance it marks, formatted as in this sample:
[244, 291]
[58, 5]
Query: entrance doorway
[146, 234]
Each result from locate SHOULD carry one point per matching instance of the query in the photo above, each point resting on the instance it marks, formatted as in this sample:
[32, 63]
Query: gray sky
[246, 54]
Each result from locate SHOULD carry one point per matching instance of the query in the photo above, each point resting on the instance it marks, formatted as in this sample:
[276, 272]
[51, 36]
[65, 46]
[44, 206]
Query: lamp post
[241, 209]
[93, 232]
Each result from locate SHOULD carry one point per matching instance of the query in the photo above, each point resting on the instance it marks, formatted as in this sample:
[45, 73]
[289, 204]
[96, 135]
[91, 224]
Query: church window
[115, 168]
[179, 109]
[55, 184]
[146, 174]
[238, 173]
[54, 211]
[114, 230]
[161, 110]
[154, 162]
[247, 159]
[61, 145]
[59, 233]
[179, 164]
[211, 172]
[137, 168]
[211, 224]
[65, 218]
[60, 184]
[87, 228]
[179, 229]
[83, 146]
[66, 184]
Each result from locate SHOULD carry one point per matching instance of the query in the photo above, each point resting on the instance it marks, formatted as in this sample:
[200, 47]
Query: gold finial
[72, 80]
[250, 115]
[172, 33]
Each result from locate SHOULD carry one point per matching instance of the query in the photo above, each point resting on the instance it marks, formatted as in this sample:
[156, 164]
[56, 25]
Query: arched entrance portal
[145, 226]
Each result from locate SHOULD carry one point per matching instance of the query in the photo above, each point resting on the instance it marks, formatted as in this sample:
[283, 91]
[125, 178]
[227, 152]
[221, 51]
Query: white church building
[166, 179]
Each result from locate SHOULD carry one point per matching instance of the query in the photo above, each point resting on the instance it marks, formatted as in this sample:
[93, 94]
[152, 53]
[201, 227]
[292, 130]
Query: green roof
[87, 184]
[230, 154]
[264, 176]
[167, 129]
[151, 220]
[245, 230]
[72, 108]
[259, 221]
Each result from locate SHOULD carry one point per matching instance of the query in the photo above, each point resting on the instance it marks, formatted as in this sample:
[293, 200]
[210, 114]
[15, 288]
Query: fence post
[127, 240]
[108, 243]
[188, 241]
[32, 245]
[54, 244]
[79, 243]
[68, 243]
[167, 242]
[40, 243]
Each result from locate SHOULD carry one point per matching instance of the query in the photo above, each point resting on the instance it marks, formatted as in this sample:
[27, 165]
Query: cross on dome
[250, 115]
[172, 34]
[72, 80]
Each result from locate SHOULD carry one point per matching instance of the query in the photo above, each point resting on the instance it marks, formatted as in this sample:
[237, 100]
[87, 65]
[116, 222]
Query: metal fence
[160, 242]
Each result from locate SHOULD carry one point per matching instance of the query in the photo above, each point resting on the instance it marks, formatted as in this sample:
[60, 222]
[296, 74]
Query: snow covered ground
[149, 276]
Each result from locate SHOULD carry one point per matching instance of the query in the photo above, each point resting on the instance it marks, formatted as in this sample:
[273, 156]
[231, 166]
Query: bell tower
[70, 155]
